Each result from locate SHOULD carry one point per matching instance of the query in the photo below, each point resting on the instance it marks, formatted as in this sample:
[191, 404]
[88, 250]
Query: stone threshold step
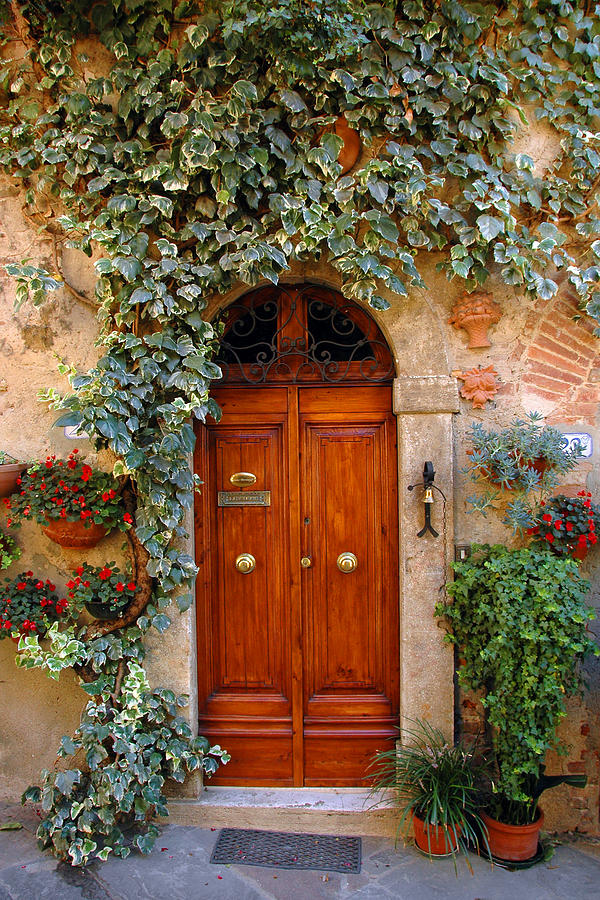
[322, 810]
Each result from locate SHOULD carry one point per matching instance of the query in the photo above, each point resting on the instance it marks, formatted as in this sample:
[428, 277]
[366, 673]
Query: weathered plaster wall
[546, 360]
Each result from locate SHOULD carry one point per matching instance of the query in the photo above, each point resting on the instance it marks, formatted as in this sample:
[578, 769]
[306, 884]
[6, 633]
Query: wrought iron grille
[301, 335]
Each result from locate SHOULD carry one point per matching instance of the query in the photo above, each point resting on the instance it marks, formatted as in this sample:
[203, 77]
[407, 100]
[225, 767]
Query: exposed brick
[558, 362]
[551, 384]
[555, 347]
[554, 372]
[588, 393]
[562, 338]
[571, 329]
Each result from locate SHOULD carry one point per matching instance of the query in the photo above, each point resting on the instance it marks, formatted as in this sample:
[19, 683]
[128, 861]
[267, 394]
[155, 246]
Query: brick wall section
[562, 360]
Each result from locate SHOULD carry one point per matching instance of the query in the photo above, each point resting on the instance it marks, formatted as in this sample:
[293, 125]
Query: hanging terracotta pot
[434, 839]
[9, 473]
[514, 843]
[74, 534]
[352, 144]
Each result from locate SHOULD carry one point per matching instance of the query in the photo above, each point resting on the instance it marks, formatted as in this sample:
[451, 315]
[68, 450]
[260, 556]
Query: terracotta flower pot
[515, 843]
[74, 534]
[9, 472]
[352, 144]
[434, 839]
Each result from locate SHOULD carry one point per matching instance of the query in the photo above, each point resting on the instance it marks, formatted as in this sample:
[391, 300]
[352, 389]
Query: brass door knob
[245, 563]
[306, 562]
[347, 562]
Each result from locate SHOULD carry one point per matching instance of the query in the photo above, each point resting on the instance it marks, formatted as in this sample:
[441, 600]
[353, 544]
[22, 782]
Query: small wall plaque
[581, 438]
[244, 498]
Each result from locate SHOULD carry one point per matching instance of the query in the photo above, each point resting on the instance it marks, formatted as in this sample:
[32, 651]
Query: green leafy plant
[527, 458]
[518, 618]
[567, 525]
[28, 604]
[108, 808]
[6, 459]
[67, 489]
[9, 551]
[104, 590]
[437, 781]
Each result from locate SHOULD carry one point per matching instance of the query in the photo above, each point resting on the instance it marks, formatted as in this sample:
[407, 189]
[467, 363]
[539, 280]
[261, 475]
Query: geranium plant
[9, 551]
[67, 489]
[567, 525]
[104, 590]
[29, 605]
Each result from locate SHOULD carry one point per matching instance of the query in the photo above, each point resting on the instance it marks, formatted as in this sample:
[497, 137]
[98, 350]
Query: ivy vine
[192, 146]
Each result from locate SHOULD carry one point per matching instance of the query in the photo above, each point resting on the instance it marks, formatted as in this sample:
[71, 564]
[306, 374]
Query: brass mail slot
[244, 498]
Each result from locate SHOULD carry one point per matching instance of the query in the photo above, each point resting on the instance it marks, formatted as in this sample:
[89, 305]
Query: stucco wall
[545, 359]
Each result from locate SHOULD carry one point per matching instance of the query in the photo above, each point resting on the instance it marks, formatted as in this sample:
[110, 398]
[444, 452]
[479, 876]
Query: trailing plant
[92, 813]
[519, 620]
[29, 604]
[203, 154]
[434, 780]
[67, 489]
[9, 551]
[101, 586]
[567, 525]
[526, 458]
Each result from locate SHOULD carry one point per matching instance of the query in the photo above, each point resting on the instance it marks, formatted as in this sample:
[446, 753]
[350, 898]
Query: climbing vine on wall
[190, 146]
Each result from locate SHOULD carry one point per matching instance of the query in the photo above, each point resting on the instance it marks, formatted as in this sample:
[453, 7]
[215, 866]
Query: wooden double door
[299, 641]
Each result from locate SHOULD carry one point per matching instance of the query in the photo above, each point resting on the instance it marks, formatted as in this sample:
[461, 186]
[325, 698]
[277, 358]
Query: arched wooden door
[298, 637]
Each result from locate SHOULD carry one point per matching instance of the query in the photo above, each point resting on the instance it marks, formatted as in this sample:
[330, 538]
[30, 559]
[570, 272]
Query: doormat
[280, 850]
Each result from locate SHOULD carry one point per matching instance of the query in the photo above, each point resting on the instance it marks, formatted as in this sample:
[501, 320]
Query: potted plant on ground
[527, 458]
[567, 526]
[77, 505]
[10, 469]
[29, 605]
[434, 786]
[105, 591]
[9, 552]
[519, 620]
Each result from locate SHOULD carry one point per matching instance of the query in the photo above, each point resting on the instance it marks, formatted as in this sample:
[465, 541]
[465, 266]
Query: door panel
[351, 621]
[298, 667]
[246, 702]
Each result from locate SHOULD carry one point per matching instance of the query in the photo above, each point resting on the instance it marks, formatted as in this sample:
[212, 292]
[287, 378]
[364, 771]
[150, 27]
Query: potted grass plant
[434, 785]
[518, 618]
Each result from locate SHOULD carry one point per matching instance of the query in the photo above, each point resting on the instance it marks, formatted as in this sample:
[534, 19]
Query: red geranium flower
[127, 518]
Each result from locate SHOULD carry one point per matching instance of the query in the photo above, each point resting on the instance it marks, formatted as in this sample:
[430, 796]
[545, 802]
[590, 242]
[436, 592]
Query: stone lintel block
[425, 394]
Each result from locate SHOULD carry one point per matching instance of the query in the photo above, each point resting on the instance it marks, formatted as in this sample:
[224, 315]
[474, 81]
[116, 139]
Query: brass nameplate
[244, 498]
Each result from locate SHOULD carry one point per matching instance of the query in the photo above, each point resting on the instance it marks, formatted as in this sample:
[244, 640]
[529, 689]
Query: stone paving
[179, 869]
